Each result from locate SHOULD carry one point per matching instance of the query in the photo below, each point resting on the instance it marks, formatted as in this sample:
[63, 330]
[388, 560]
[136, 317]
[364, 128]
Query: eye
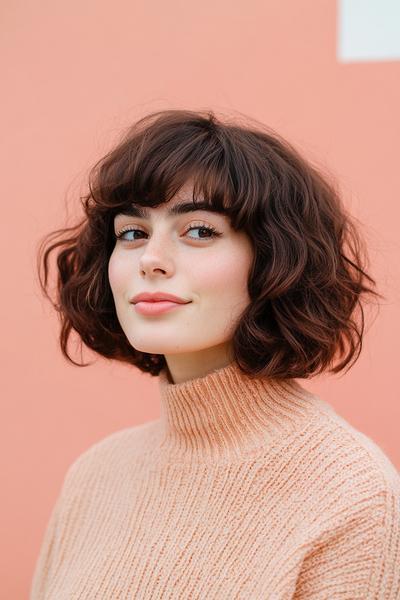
[120, 234]
[211, 231]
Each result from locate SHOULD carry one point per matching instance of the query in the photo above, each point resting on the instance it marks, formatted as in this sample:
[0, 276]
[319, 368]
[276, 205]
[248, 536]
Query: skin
[209, 271]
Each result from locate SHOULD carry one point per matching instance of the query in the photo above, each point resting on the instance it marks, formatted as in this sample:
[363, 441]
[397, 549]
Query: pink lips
[155, 296]
[156, 303]
[156, 308]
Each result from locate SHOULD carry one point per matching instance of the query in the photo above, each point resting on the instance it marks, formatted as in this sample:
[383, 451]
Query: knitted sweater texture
[244, 488]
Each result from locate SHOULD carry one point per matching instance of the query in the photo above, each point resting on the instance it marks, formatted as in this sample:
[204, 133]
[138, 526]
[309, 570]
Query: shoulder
[344, 474]
[348, 500]
[112, 451]
[351, 452]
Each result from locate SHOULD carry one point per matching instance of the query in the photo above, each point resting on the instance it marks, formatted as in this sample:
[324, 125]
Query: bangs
[151, 166]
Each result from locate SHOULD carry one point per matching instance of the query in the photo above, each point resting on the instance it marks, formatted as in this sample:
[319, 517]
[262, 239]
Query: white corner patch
[368, 30]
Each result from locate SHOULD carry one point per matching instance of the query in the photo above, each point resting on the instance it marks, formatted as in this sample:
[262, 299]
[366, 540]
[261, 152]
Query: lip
[158, 297]
[157, 308]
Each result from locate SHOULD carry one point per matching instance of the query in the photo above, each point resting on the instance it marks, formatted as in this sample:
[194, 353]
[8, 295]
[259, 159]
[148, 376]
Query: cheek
[226, 276]
[117, 272]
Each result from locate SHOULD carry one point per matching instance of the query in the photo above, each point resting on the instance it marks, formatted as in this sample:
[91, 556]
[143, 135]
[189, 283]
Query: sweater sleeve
[65, 519]
[359, 556]
[47, 555]
[54, 539]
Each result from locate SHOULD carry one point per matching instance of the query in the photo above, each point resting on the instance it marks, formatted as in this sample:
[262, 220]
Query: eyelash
[214, 233]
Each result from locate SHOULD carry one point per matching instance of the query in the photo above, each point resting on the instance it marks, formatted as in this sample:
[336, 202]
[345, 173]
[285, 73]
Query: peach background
[74, 74]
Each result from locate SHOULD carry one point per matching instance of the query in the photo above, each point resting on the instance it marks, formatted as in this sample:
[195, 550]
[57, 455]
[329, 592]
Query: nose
[155, 259]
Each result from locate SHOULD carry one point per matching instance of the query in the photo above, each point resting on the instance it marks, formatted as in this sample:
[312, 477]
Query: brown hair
[308, 276]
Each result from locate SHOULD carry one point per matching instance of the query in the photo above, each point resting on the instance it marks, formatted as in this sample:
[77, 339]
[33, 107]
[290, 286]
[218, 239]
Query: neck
[227, 413]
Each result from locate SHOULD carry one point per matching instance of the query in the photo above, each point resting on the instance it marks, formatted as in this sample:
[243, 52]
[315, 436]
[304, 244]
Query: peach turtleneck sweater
[243, 489]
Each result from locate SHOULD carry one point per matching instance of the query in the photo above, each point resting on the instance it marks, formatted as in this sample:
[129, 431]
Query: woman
[247, 486]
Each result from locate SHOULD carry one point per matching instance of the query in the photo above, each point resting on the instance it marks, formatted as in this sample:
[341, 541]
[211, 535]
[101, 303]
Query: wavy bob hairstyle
[308, 276]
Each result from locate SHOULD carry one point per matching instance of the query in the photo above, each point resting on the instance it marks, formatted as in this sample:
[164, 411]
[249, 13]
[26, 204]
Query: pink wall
[73, 75]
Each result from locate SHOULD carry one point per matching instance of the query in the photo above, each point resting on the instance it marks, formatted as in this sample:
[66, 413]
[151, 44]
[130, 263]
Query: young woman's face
[176, 254]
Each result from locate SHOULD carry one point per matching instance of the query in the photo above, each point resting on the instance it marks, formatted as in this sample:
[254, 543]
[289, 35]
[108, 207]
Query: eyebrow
[178, 209]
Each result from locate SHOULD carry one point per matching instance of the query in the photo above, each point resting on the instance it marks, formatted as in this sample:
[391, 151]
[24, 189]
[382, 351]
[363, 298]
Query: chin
[153, 348]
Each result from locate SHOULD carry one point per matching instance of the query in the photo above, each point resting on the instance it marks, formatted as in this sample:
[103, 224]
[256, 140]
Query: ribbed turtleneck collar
[227, 412]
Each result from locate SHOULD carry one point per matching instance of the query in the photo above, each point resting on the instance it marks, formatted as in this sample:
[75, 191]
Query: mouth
[156, 307]
[158, 297]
